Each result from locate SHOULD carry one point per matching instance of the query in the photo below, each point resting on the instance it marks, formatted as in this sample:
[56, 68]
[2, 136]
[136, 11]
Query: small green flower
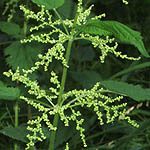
[106, 108]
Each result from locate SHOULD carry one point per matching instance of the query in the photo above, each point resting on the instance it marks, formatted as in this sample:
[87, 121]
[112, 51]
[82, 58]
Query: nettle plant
[64, 32]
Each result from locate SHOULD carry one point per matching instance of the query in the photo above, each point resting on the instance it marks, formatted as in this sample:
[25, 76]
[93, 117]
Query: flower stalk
[63, 81]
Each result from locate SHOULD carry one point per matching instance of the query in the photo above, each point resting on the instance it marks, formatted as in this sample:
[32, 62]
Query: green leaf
[128, 140]
[22, 55]
[2, 84]
[89, 121]
[18, 133]
[49, 4]
[86, 78]
[130, 69]
[7, 93]
[63, 133]
[135, 92]
[83, 54]
[9, 28]
[118, 30]
[94, 27]
[67, 10]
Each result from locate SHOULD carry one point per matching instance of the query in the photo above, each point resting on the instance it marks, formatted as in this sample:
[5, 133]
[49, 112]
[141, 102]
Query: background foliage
[132, 78]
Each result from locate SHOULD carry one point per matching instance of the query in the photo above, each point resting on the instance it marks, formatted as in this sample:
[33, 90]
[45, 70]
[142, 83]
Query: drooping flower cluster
[57, 51]
[104, 106]
[11, 7]
[93, 98]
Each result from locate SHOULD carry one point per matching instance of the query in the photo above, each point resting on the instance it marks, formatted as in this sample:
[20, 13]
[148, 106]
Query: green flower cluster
[9, 4]
[105, 107]
[125, 2]
[93, 98]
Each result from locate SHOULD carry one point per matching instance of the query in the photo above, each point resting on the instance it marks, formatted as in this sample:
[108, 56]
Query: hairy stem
[56, 117]
[16, 108]
[61, 21]
[64, 75]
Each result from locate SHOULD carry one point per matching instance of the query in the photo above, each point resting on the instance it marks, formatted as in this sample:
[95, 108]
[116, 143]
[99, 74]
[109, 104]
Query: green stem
[25, 27]
[16, 108]
[25, 21]
[16, 113]
[61, 21]
[29, 112]
[59, 102]
[56, 117]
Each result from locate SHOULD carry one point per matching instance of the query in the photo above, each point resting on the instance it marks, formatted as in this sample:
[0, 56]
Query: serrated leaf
[135, 92]
[63, 133]
[94, 27]
[83, 54]
[86, 54]
[7, 93]
[86, 78]
[9, 28]
[49, 4]
[22, 55]
[66, 10]
[18, 133]
[118, 30]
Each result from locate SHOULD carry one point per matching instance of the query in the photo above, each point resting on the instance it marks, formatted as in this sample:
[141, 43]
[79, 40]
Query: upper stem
[56, 117]
[64, 75]
[61, 21]
[16, 121]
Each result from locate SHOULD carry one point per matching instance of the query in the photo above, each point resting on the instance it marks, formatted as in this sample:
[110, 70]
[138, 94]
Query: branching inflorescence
[94, 98]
